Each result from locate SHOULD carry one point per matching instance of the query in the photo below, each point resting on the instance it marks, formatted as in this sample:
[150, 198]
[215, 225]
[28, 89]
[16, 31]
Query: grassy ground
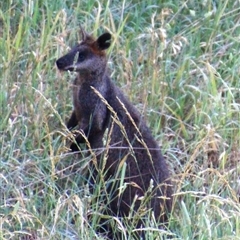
[178, 61]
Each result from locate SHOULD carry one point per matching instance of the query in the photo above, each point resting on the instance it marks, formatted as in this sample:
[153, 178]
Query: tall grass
[178, 61]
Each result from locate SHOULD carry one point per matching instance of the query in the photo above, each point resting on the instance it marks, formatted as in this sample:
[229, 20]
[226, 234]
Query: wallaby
[99, 107]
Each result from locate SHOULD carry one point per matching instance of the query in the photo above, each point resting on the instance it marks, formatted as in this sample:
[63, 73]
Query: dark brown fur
[134, 142]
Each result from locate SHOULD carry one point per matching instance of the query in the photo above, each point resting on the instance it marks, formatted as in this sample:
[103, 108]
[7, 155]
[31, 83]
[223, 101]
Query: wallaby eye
[81, 56]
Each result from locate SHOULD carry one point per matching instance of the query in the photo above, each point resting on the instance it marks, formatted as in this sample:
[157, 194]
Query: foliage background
[178, 61]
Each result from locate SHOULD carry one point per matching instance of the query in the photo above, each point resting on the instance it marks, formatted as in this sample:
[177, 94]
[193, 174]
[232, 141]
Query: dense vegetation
[179, 63]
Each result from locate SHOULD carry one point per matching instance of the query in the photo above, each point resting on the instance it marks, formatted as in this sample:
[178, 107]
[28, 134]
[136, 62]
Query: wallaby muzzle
[66, 63]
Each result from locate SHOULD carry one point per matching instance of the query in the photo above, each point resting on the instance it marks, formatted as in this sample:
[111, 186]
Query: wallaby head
[87, 57]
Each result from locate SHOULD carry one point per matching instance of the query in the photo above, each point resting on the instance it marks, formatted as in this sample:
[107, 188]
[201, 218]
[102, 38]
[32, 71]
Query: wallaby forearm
[72, 122]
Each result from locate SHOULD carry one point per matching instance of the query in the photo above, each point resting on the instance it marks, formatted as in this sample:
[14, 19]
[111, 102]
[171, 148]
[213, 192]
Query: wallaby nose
[60, 64]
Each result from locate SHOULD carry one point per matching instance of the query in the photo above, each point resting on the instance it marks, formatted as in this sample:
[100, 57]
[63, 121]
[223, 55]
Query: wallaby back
[98, 105]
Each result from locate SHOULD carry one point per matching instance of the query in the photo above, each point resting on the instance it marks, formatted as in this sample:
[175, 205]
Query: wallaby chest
[87, 104]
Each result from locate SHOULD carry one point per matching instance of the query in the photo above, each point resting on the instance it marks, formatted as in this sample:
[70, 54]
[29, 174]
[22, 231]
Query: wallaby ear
[83, 33]
[104, 41]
